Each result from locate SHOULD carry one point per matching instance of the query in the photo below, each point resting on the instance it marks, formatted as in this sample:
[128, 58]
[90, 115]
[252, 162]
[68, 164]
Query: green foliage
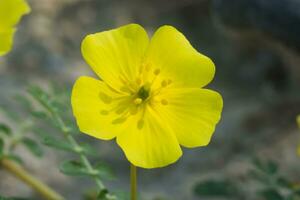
[62, 145]
[53, 110]
[5, 129]
[12, 198]
[15, 157]
[33, 146]
[1, 146]
[268, 167]
[214, 188]
[104, 171]
[76, 168]
[50, 112]
[271, 185]
[57, 144]
[19, 135]
[271, 194]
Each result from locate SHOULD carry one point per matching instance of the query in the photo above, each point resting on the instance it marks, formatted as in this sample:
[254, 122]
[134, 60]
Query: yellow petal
[298, 120]
[11, 12]
[92, 102]
[192, 114]
[116, 55]
[6, 40]
[177, 60]
[148, 143]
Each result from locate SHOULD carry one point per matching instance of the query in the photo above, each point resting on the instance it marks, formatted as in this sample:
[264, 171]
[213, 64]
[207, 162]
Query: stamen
[164, 102]
[104, 112]
[127, 86]
[133, 110]
[120, 110]
[169, 81]
[138, 81]
[105, 98]
[125, 89]
[164, 83]
[156, 72]
[119, 120]
[138, 101]
[147, 67]
[140, 124]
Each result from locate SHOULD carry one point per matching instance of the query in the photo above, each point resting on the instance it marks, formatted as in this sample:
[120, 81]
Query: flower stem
[30, 180]
[133, 182]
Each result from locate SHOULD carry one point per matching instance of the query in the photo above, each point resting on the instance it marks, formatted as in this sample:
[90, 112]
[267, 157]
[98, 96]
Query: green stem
[86, 162]
[75, 145]
[133, 182]
[30, 180]
[66, 131]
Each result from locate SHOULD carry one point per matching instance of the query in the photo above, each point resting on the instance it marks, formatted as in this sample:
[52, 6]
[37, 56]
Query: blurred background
[255, 45]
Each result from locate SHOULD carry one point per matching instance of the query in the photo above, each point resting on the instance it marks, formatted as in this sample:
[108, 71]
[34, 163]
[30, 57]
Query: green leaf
[75, 168]
[271, 194]
[293, 196]
[61, 145]
[33, 146]
[10, 114]
[102, 195]
[281, 181]
[39, 114]
[1, 146]
[57, 144]
[23, 101]
[259, 176]
[40, 96]
[122, 195]
[296, 191]
[15, 157]
[88, 149]
[268, 167]
[105, 172]
[105, 195]
[5, 129]
[215, 188]
[12, 198]
[272, 167]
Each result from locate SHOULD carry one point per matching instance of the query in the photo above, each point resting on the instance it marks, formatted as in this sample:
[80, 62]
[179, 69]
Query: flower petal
[92, 101]
[177, 60]
[116, 55]
[11, 12]
[6, 40]
[149, 144]
[192, 114]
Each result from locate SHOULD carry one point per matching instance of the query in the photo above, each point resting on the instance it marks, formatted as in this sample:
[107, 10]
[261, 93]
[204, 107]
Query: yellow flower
[150, 97]
[298, 120]
[11, 12]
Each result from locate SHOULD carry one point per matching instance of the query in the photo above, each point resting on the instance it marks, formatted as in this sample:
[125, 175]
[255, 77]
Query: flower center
[143, 92]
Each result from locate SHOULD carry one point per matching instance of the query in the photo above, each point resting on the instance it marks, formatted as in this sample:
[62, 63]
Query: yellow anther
[125, 89]
[140, 124]
[164, 102]
[156, 72]
[119, 120]
[105, 98]
[147, 67]
[104, 112]
[164, 83]
[169, 81]
[138, 81]
[138, 101]
[133, 111]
